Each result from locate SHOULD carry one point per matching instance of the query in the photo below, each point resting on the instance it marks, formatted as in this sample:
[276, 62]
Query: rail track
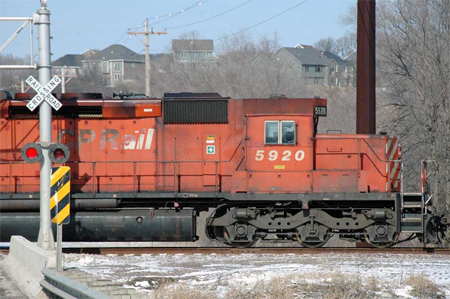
[258, 250]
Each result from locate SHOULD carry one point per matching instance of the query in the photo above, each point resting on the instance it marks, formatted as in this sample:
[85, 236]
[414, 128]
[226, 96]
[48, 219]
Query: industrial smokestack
[365, 77]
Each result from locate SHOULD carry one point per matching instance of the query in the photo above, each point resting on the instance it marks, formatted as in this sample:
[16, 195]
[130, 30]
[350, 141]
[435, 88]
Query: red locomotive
[142, 169]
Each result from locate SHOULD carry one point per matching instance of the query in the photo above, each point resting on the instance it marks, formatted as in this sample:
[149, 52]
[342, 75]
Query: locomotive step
[412, 219]
[412, 194]
[410, 206]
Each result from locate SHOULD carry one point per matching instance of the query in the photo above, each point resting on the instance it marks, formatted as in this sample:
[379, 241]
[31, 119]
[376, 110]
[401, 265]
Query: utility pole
[22, 88]
[63, 79]
[45, 237]
[147, 53]
[147, 61]
[365, 68]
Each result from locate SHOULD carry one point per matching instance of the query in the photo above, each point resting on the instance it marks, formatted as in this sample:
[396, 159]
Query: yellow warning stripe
[58, 175]
[62, 215]
[60, 194]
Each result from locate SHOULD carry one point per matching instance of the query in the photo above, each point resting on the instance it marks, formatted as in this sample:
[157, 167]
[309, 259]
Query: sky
[80, 25]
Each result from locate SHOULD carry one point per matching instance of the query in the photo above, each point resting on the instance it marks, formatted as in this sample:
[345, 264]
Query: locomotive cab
[279, 153]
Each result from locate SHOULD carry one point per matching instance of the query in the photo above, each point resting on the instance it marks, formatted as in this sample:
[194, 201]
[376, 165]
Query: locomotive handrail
[135, 187]
[134, 163]
[143, 161]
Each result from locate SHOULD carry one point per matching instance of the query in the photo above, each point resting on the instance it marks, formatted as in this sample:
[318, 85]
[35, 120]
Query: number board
[320, 110]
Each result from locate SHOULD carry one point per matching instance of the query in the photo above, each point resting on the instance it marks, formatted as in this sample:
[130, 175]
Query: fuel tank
[108, 226]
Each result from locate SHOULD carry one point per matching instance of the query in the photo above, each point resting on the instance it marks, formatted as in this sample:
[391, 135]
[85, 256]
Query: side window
[280, 132]
[287, 132]
[271, 132]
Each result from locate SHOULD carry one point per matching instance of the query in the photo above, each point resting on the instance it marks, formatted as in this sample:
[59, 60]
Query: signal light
[59, 153]
[31, 153]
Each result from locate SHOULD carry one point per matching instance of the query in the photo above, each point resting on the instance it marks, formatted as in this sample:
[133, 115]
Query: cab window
[272, 132]
[280, 132]
[287, 132]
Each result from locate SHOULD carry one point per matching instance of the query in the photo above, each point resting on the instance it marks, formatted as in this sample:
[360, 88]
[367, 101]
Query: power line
[218, 15]
[262, 22]
[164, 18]
[139, 26]
[171, 15]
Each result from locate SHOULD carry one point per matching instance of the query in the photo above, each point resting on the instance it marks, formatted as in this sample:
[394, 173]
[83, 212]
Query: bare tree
[345, 45]
[267, 44]
[89, 79]
[342, 46]
[327, 44]
[414, 56]
[12, 77]
[193, 34]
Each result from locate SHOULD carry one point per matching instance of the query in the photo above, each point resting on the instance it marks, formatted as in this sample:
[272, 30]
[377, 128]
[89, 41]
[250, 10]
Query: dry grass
[335, 285]
[277, 288]
[181, 291]
[338, 286]
[423, 287]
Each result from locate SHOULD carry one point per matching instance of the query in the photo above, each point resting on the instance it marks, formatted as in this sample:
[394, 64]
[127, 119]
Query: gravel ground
[217, 273]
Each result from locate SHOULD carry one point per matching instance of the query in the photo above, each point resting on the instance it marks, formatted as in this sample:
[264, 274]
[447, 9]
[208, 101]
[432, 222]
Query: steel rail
[255, 250]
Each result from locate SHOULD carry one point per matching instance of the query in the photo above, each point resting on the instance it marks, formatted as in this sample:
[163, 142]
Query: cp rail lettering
[111, 139]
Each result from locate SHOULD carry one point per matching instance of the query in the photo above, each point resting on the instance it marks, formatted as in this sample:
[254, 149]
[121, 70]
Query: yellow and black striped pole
[60, 206]
[60, 195]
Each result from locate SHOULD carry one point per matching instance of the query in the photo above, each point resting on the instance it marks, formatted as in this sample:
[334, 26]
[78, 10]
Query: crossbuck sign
[43, 93]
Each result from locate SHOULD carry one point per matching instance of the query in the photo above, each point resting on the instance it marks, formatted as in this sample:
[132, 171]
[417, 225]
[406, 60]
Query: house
[316, 67]
[351, 61]
[193, 50]
[117, 64]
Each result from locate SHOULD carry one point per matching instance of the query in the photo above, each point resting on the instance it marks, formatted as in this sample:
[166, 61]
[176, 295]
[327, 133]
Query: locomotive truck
[142, 169]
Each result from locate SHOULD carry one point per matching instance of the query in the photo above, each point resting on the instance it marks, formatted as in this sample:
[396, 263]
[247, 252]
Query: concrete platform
[21, 274]
[24, 264]
[115, 290]
[8, 288]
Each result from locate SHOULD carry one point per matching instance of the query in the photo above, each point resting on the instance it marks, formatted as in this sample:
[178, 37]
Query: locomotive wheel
[313, 244]
[238, 244]
[241, 245]
[384, 244]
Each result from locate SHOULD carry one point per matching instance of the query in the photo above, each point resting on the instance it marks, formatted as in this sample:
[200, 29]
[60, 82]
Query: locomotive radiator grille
[195, 111]
[22, 112]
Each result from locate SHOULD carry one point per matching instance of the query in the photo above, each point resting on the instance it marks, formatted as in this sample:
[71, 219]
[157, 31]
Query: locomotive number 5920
[285, 156]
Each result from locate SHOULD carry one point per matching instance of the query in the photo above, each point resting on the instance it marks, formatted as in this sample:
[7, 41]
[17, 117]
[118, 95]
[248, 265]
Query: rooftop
[179, 45]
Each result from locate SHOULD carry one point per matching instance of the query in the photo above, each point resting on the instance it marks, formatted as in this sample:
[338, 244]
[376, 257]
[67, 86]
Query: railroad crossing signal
[43, 93]
[32, 153]
[60, 195]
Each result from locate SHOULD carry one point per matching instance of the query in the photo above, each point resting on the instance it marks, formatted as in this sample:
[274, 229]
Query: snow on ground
[214, 270]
